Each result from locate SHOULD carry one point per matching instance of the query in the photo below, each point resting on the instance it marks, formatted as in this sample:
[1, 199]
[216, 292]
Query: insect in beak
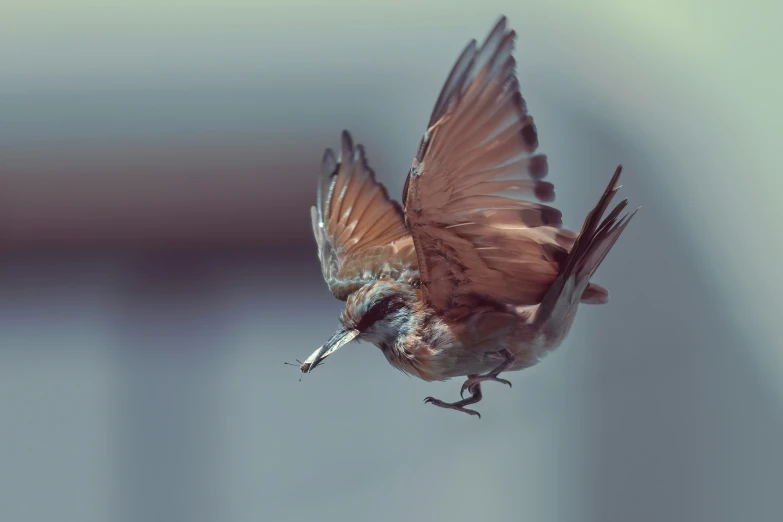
[340, 338]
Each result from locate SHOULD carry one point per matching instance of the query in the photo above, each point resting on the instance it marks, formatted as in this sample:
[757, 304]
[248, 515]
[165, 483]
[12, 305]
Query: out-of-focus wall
[157, 165]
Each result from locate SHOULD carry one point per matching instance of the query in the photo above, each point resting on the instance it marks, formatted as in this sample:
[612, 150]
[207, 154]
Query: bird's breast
[428, 350]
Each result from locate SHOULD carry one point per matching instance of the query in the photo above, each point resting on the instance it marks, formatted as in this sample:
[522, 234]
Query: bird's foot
[471, 382]
[457, 406]
[475, 396]
[474, 380]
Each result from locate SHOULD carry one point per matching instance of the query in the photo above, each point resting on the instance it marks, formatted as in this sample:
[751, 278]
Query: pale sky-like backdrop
[157, 165]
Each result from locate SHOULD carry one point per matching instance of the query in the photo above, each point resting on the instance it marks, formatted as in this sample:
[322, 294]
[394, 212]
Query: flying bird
[465, 278]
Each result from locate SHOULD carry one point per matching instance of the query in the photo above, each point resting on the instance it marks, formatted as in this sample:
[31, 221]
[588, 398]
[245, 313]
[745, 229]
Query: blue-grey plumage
[461, 280]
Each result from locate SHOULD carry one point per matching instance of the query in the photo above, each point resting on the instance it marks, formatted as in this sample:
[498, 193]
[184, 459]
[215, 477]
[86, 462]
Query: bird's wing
[360, 231]
[480, 142]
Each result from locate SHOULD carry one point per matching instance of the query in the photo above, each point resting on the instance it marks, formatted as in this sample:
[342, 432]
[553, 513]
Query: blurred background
[157, 164]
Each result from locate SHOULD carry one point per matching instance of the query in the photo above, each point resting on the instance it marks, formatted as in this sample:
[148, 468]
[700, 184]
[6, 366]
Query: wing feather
[471, 235]
[360, 231]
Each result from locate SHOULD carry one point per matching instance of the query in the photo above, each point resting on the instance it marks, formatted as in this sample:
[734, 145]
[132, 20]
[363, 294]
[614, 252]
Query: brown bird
[461, 280]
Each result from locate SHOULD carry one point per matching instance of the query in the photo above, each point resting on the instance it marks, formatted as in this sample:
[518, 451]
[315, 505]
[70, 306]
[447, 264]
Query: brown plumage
[466, 279]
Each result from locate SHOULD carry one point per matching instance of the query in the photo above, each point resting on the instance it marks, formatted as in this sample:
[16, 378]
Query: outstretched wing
[360, 231]
[480, 142]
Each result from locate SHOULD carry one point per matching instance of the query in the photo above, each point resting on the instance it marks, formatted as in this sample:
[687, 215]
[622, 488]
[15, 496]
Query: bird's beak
[340, 338]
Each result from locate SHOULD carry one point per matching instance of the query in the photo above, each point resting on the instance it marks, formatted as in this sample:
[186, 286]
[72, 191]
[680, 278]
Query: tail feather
[597, 236]
[595, 294]
[590, 248]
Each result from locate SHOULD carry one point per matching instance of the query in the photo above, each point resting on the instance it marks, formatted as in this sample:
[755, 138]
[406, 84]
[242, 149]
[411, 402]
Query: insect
[464, 279]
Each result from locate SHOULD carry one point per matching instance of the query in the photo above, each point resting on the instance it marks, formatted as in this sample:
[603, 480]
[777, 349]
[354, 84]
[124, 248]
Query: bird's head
[377, 313]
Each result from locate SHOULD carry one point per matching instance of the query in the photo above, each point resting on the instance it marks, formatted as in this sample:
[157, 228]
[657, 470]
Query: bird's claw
[451, 406]
[470, 383]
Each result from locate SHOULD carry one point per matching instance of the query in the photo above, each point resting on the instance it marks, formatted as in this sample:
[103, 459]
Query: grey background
[157, 268]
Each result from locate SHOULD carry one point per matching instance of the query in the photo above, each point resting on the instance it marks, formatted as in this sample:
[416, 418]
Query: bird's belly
[448, 361]
[444, 350]
[458, 360]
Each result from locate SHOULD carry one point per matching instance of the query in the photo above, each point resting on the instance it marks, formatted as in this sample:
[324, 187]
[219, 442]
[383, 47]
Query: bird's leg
[474, 380]
[475, 397]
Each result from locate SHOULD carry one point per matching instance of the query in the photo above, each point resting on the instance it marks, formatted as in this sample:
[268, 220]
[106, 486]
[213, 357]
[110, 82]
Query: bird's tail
[590, 248]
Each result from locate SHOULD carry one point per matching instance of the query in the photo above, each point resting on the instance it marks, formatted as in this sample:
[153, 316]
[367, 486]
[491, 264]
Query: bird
[472, 274]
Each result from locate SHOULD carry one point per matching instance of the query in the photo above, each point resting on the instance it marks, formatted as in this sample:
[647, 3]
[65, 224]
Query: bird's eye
[378, 311]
